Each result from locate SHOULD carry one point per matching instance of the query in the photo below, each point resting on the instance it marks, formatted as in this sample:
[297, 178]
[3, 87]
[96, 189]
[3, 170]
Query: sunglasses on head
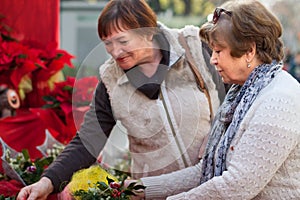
[218, 12]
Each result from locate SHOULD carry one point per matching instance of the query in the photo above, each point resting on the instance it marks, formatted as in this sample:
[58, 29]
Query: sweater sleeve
[270, 134]
[85, 147]
[159, 187]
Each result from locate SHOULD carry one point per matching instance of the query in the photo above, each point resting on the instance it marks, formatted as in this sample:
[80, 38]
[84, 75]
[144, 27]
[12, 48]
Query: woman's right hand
[37, 191]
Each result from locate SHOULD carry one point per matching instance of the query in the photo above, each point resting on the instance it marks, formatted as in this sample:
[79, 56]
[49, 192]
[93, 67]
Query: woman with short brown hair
[147, 85]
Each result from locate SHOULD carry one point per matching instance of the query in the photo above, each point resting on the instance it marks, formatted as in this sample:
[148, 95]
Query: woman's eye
[124, 42]
[107, 43]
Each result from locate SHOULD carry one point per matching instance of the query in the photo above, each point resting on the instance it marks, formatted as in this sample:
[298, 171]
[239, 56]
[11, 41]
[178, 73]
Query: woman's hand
[39, 190]
[139, 193]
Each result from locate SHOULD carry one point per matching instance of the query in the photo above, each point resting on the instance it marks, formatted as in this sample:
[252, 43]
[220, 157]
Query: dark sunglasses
[218, 12]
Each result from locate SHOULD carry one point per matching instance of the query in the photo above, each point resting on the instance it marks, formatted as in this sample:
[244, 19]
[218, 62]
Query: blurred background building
[78, 24]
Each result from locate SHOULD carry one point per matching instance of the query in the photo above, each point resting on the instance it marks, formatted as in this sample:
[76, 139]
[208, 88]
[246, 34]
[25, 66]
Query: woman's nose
[114, 50]
[213, 60]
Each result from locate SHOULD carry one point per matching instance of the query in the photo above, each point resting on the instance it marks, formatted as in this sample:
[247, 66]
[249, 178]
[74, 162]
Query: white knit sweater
[264, 158]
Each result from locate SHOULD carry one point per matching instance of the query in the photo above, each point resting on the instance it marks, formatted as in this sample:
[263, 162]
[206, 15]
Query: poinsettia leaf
[65, 57]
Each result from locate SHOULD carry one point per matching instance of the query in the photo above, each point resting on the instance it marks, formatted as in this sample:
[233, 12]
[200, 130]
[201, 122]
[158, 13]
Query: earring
[248, 63]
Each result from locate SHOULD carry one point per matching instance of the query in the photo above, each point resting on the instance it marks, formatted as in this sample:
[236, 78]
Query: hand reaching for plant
[39, 190]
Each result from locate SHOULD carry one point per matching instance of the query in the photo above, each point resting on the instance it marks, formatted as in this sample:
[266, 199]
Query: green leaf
[44, 162]
[38, 65]
[22, 56]
[102, 186]
[49, 98]
[26, 154]
[58, 56]
[68, 88]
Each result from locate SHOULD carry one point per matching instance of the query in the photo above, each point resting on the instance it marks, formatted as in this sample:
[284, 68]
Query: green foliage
[112, 191]
[7, 198]
[29, 171]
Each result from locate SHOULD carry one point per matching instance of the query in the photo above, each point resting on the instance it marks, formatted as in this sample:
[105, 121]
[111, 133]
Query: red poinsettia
[10, 187]
[69, 110]
[28, 67]
[60, 98]
[83, 90]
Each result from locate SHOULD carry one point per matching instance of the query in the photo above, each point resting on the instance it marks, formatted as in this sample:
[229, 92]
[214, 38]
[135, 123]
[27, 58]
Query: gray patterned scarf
[229, 116]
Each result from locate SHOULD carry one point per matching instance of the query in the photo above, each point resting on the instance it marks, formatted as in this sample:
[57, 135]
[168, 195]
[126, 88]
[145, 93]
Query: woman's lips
[219, 71]
[121, 59]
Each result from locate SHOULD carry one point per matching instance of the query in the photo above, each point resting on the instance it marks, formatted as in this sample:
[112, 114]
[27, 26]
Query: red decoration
[33, 19]
[31, 64]
[10, 188]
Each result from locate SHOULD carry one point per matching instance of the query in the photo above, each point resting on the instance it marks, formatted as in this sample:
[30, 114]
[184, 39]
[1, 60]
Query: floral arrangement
[99, 183]
[35, 73]
[9, 189]
[21, 170]
[28, 67]
[30, 171]
[95, 182]
[67, 94]
[69, 100]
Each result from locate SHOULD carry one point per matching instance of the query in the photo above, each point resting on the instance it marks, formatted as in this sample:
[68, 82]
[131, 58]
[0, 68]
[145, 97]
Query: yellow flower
[87, 178]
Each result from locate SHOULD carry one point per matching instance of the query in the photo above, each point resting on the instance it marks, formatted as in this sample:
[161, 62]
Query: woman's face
[232, 70]
[128, 48]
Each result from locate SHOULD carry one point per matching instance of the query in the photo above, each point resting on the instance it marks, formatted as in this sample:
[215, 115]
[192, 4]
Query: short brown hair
[125, 15]
[249, 22]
